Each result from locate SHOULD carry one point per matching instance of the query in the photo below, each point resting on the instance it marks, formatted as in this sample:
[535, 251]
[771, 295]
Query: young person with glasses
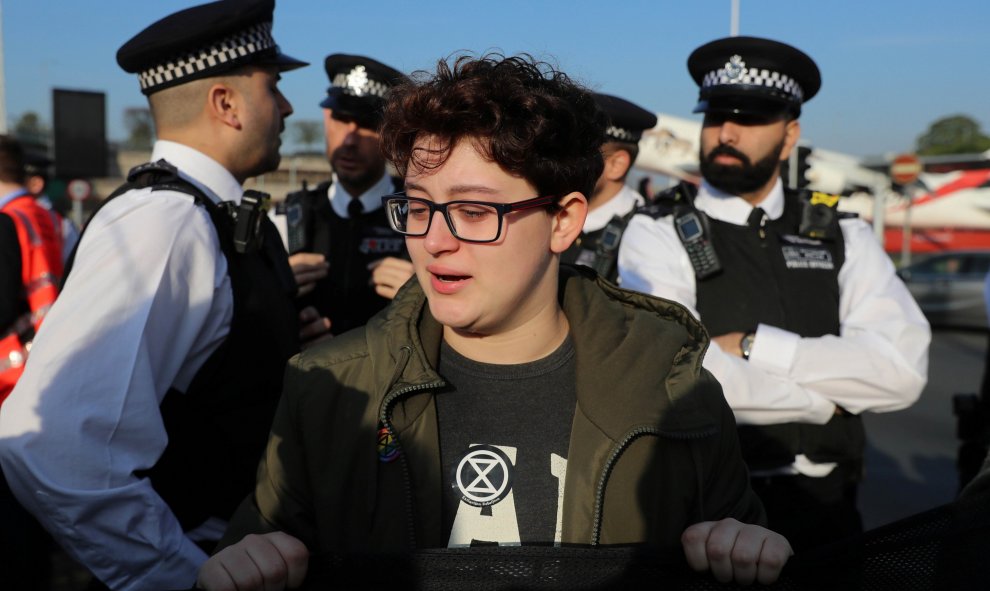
[501, 398]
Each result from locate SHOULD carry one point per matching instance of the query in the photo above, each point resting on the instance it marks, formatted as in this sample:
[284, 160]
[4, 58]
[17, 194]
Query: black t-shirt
[504, 433]
[12, 299]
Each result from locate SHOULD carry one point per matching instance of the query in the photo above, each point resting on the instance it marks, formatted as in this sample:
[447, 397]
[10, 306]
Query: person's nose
[351, 134]
[284, 106]
[728, 133]
[439, 238]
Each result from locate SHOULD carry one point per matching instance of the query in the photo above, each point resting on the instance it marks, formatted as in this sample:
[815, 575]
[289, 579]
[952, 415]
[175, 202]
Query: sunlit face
[741, 154]
[354, 152]
[483, 289]
[263, 118]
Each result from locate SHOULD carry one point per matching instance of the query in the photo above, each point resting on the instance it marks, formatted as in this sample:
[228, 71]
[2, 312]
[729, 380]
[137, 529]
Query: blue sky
[890, 68]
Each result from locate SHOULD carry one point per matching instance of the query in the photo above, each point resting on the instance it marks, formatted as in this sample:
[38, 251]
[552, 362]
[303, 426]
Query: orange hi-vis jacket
[41, 270]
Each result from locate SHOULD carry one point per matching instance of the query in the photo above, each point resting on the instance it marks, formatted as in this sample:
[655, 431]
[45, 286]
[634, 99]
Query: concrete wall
[293, 170]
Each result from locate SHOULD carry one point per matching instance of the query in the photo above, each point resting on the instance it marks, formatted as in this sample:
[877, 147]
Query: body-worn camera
[248, 236]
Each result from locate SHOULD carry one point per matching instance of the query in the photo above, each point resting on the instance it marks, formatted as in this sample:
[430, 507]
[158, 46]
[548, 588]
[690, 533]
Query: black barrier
[947, 548]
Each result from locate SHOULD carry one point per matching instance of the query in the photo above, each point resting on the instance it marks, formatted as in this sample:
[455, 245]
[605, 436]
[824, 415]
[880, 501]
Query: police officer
[810, 325]
[30, 270]
[612, 203]
[347, 260]
[138, 423]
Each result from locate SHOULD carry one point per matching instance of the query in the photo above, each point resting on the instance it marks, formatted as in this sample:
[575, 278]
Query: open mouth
[447, 283]
[450, 278]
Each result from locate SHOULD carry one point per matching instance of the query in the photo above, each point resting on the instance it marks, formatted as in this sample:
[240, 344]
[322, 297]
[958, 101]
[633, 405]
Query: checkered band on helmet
[621, 135]
[357, 83]
[756, 77]
[234, 47]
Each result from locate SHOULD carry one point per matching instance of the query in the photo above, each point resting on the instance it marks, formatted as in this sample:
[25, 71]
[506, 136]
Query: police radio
[692, 229]
[608, 246]
[296, 221]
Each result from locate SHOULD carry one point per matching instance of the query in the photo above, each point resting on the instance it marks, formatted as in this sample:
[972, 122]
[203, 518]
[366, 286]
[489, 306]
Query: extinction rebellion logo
[483, 476]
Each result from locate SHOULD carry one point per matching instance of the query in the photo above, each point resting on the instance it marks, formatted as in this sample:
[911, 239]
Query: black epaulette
[667, 200]
[160, 176]
[303, 194]
[658, 209]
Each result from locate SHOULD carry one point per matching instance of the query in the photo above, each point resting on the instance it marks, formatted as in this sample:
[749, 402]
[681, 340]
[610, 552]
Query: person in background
[36, 180]
[480, 406]
[811, 327]
[612, 202]
[30, 270]
[137, 425]
[972, 412]
[347, 260]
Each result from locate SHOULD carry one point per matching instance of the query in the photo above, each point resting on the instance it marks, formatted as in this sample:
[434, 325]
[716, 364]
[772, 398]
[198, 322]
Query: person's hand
[389, 274]
[313, 328]
[308, 268]
[267, 562]
[730, 342]
[736, 551]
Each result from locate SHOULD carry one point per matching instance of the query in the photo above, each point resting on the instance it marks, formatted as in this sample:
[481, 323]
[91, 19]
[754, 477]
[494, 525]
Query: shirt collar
[5, 199]
[199, 169]
[619, 205]
[735, 210]
[370, 199]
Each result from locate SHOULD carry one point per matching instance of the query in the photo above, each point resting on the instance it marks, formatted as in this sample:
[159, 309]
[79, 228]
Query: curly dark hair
[525, 115]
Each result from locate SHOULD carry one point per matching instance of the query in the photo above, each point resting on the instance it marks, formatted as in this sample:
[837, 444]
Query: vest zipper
[387, 403]
[596, 529]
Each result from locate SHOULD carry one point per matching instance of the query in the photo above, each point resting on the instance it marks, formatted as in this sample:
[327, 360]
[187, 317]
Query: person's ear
[617, 165]
[792, 133]
[222, 100]
[568, 221]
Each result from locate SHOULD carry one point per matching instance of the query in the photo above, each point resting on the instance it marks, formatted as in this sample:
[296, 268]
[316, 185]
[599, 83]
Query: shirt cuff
[774, 349]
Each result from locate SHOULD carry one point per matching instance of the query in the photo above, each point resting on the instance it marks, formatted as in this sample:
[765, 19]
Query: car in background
[949, 287]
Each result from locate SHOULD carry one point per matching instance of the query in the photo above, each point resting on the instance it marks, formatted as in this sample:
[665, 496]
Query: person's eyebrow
[465, 189]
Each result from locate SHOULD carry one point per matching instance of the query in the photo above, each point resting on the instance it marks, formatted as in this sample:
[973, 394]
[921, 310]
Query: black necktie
[757, 220]
[355, 209]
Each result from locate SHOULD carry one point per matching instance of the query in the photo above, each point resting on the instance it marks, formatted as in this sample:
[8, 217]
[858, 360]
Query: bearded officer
[138, 423]
[811, 326]
[612, 203]
[347, 260]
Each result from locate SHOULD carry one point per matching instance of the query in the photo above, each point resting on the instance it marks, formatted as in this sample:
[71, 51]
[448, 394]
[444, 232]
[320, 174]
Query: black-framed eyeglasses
[470, 221]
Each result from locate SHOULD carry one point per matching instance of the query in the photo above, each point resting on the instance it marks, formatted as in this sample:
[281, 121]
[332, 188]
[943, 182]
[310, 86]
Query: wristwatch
[746, 344]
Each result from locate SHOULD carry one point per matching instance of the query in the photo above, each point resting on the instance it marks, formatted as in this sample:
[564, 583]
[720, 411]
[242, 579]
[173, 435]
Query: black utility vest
[345, 295]
[772, 275]
[218, 429]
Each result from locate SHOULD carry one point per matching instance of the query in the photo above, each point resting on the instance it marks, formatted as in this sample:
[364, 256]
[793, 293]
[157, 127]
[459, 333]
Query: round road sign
[79, 189]
[905, 169]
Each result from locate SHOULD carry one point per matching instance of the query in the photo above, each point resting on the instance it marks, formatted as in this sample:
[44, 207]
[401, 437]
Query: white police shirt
[878, 362]
[147, 302]
[622, 203]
